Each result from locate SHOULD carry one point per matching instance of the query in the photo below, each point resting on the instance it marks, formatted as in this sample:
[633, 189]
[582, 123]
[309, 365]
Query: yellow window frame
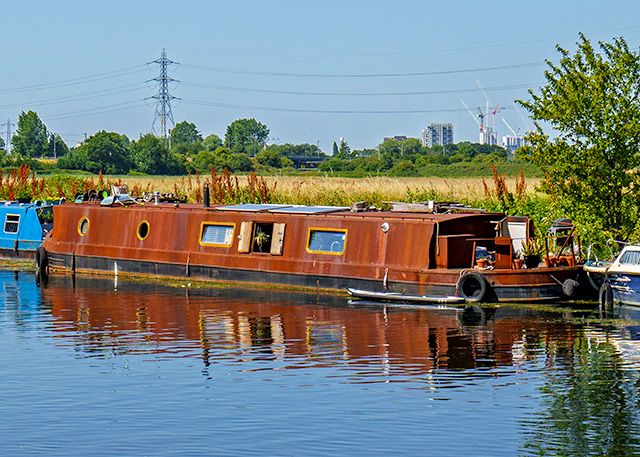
[326, 229]
[82, 219]
[222, 224]
[142, 238]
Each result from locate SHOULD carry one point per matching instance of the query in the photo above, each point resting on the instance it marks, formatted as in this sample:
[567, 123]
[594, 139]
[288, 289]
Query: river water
[93, 367]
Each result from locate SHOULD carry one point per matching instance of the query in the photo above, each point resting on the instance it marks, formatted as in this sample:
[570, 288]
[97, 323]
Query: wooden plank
[277, 241]
[244, 242]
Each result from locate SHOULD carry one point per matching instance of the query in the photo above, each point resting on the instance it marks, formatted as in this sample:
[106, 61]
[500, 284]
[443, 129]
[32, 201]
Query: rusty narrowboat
[308, 246]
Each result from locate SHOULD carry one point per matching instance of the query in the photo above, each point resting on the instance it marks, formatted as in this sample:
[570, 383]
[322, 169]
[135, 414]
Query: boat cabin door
[261, 237]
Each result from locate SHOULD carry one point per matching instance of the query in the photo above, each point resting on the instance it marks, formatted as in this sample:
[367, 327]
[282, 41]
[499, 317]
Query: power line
[324, 111]
[79, 97]
[356, 94]
[65, 70]
[95, 110]
[364, 75]
[404, 53]
[79, 80]
[163, 97]
[94, 113]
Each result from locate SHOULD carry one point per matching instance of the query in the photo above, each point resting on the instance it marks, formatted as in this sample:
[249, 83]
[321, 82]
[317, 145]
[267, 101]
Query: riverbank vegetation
[244, 149]
[591, 161]
[498, 193]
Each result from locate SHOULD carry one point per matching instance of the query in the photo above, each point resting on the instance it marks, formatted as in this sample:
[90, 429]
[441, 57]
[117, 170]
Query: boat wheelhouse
[24, 226]
[407, 252]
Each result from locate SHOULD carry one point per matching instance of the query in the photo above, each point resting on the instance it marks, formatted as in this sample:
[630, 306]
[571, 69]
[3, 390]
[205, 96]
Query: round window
[83, 226]
[143, 230]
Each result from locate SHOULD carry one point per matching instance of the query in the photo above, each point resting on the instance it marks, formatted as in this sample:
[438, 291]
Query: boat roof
[17, 204]
[326, 211]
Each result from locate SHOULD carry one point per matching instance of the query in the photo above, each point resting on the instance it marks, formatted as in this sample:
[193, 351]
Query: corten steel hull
[404, 257]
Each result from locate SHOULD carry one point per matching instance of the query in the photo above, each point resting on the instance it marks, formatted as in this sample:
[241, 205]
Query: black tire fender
[472, 286]
[605, 296]
[42, 260]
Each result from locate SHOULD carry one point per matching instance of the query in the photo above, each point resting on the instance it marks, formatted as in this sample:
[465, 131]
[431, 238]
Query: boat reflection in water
[296, 327]
[160, 370]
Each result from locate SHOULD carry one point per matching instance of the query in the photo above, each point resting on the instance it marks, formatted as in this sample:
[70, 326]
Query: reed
[501, 193]
[315, 190]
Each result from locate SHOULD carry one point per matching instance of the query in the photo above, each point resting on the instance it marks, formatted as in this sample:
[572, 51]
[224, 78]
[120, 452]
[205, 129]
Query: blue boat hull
[21, 230]
[626, 288]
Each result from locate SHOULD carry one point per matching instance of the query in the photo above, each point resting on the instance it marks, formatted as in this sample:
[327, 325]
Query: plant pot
[532, 261]
[551, 261]
[517, 264]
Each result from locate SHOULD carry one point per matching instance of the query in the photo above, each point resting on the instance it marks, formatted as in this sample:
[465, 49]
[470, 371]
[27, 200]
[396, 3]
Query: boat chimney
[205, 195]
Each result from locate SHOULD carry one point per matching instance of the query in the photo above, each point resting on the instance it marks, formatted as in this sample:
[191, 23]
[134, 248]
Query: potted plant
[261, 238]
[531, 252]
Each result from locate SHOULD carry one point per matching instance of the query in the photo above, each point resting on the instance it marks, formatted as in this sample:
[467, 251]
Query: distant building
[512, 142]
[397, 138]
[488, 136]
[437, 135]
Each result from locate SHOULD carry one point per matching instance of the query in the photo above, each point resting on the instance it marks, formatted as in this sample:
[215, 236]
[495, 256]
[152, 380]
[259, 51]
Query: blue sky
[80, 64]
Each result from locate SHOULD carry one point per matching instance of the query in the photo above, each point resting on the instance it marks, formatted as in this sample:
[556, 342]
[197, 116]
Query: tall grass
[312, 190]
[511, 196]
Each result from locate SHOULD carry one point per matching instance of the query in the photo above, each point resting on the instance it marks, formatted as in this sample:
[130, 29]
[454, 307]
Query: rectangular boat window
[630, 258]
[327, 241]
[11, 223]
[217, 234]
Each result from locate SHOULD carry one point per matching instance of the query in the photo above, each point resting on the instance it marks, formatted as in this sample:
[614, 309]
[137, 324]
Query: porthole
[143, 230]
[83, 226]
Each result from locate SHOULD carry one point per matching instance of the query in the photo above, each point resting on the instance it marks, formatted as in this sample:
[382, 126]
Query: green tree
[212, 142]
[151, 155]
[297, 150]
[185, 132]
[334, 150]
[272, 158]
[403, 167]
[222, 158]
[591, 103]
[345, 151]
[31, 138]
[56, 146]
[246, 135]
[392, 150]
[105, 151]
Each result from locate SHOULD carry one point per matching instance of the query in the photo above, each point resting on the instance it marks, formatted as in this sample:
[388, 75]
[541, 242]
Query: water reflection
[577, 381]
[294, 328]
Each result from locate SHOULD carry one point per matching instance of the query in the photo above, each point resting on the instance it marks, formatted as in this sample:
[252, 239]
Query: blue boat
[618, 281]
[24, 226]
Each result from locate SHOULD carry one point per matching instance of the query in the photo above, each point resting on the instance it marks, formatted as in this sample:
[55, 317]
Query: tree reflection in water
[587, 402]
[590, 402]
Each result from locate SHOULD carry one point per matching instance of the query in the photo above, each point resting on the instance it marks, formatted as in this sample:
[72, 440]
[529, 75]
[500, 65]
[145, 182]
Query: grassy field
[496, 193]
[341, 191]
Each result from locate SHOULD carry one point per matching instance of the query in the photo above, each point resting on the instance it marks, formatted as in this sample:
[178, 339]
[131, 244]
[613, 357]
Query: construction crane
[509, 127]
[490, 112]
[481, 116]
[475, 117]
